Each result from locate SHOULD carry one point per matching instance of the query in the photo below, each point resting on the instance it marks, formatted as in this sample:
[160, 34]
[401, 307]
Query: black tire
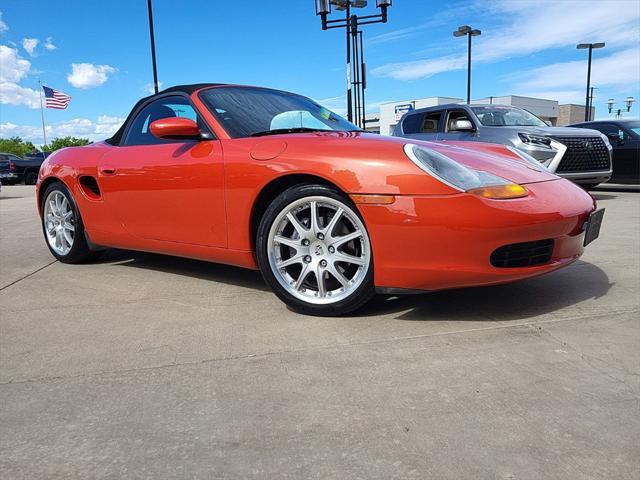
[80, 251]
[31, 178]
[360, 296]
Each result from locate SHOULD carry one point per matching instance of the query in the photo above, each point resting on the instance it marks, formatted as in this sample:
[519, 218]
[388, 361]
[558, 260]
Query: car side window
[431, 122]
[454, 115]
[412, 123]
[138, 132]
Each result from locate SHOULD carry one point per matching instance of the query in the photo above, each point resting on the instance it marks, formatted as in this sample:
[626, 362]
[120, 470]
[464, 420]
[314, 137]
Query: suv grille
[584, 154]
[526, 254]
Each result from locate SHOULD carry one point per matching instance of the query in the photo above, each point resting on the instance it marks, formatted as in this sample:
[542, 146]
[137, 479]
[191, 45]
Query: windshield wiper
[281, 131]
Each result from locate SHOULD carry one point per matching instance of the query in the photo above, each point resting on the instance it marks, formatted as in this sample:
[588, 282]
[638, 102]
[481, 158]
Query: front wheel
[314, 251]
[62, 226]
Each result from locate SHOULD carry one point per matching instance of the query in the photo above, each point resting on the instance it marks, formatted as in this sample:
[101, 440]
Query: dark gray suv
[581, 155]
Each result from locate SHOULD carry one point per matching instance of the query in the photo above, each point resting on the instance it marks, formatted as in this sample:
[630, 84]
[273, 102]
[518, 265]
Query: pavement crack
[245, 356]
[27, 275]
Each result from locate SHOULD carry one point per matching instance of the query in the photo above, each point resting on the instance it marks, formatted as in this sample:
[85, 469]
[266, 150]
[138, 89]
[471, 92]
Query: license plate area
[592, 228]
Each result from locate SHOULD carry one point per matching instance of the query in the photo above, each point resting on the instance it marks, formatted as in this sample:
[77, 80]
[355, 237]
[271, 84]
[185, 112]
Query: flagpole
[44, 131]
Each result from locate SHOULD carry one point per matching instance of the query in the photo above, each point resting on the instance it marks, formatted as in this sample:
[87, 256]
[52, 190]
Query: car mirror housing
[463, 126]
[175, 128]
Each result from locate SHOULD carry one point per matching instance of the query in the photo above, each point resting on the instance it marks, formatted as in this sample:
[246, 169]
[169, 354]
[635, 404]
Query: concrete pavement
[146, 366]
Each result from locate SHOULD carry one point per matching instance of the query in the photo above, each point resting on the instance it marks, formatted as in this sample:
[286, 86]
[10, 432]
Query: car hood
[355, 146]
[551, 131]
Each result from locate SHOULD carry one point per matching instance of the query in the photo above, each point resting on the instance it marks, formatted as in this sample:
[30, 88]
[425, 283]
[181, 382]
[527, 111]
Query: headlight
[537, 140]
[462, 178]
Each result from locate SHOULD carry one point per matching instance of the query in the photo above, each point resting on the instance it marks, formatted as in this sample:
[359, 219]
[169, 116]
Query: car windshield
[499, 116]
[248, 111]
[634, 127]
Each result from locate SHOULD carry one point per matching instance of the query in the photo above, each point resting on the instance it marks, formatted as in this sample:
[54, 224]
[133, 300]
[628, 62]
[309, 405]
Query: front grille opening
[584, 154]
[90, 186]
[525, 254]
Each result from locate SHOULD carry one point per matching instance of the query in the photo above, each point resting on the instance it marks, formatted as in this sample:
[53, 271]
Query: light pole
[590, 46]
[356, 69]
[469, 32]
[153, 47]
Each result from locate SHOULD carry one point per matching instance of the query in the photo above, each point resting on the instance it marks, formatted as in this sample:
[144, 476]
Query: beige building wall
[570, 113]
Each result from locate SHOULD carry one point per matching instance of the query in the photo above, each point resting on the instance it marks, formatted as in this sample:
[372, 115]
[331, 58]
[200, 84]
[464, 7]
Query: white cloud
[14, 68]
[30, 44]
[13, 94]
[148, 87]
[102, 128]
[3, 26]
[420, 68]
[88, 75]
[533, 26]
[48, 44]
[620, 69]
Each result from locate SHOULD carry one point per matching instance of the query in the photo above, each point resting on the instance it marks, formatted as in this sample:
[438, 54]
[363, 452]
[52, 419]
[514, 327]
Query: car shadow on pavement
[215, 272]
[514, 301]
[603, 196]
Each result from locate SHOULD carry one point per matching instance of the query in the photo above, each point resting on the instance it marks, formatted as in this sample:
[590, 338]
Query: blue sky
[98, 52]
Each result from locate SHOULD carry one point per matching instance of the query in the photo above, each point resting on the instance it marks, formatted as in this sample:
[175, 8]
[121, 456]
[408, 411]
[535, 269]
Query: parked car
[583, 156]
[270, 180]
[8, 169]
[29, 166]
[624, 136]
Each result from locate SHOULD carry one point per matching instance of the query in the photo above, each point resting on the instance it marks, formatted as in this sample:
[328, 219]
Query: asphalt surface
[147, 366]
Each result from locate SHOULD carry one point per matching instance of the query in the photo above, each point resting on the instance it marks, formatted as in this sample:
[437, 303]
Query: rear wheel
[62, 226]
[314, 251]
[31, 178]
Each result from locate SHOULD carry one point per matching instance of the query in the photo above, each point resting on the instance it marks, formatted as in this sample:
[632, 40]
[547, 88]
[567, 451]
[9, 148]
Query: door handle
[107, 170]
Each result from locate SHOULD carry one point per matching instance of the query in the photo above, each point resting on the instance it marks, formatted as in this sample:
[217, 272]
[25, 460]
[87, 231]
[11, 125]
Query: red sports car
[271, 180]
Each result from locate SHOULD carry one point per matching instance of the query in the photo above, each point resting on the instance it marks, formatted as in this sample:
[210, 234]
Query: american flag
[55, 99]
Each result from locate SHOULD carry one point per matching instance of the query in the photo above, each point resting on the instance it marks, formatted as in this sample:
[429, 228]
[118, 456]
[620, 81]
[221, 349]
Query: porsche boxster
[329, 214]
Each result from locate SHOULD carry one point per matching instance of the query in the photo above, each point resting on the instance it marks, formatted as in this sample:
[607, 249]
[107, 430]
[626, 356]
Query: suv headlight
[465, 179]
[537, 140]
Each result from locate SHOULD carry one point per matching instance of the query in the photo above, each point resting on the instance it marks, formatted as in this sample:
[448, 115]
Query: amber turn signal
[374, 199]
[500, 192]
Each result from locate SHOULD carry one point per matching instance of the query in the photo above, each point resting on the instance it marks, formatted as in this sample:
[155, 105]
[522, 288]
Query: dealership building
[551, 111]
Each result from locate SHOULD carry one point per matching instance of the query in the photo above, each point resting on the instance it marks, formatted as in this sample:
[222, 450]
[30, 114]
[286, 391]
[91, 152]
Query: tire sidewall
[359, 297]
[79, 249]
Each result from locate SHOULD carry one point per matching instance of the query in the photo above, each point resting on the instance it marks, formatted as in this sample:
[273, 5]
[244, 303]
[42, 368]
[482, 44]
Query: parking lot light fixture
[469, 32]
[610, 104]
[356, 68]
[629, 101]
[590, 47]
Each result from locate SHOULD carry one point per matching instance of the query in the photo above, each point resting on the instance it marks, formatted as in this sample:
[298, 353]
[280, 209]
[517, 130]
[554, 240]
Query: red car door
[166, 189]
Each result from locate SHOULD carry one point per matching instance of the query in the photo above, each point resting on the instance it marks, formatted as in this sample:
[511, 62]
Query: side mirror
[615, 137]
[463, 126]
[175, 128]
[548, 122]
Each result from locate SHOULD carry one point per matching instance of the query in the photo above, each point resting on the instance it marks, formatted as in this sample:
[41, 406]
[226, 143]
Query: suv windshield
[249, 111]
[499, 116]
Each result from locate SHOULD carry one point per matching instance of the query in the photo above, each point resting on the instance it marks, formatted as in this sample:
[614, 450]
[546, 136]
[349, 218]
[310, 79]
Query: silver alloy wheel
[59, 223]
[319, 250]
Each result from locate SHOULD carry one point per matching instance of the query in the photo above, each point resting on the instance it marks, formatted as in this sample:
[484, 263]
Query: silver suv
[578, 154]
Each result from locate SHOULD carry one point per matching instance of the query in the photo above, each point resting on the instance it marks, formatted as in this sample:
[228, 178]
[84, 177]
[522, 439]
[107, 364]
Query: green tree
[16, 145]
[62, 142]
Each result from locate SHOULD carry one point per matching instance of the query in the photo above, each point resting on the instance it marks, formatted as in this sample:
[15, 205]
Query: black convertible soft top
[188, 89]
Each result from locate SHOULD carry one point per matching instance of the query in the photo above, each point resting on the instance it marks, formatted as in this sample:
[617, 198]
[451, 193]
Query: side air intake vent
[526, 254]
[90, 187]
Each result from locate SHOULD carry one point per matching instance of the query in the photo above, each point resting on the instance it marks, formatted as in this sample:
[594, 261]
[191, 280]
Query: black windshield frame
[325, 118]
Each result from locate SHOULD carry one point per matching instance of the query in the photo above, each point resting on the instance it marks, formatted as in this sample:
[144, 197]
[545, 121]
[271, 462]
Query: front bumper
[442, 242]
[8, 176]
